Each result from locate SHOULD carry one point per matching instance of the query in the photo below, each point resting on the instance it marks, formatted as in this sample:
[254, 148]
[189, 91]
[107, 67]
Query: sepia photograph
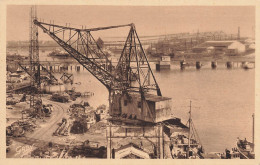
[130, 82]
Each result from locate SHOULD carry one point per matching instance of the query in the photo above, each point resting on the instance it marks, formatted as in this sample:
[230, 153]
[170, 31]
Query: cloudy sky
[149, 20]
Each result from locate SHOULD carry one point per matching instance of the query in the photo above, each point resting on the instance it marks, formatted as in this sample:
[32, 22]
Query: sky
[149, 20]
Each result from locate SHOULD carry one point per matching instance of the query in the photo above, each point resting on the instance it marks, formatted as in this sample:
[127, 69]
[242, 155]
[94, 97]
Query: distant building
[227, 47]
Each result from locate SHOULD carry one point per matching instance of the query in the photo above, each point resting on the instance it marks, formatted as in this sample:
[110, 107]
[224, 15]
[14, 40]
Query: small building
[91, 117]
[101, 112]
[232, 47]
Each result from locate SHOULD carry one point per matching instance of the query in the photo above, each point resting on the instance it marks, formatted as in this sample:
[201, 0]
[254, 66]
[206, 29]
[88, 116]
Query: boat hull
[245, 149]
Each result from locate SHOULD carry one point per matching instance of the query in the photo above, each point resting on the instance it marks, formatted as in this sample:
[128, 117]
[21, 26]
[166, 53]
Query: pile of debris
[73, 94]
[80, 125]
[88, 150]
[60, 97]
[10, 100]
[45, 110]
[77, 110]
[18, 128]
[49, 151]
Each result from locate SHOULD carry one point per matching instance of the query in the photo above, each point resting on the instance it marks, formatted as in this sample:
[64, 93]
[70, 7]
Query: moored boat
[246, 149]
[247, 65]
[59, 54]
[186, 143]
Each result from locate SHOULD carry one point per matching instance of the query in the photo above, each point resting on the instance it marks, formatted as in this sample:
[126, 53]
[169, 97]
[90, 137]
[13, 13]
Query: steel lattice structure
[35, 98]
[24, 65]
[81, 45]
[33, 67]
[132, 74]
[133, 68]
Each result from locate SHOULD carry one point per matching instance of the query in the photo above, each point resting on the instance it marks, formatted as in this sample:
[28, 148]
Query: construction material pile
[87, 150]
[60, 97]
[79, 126]
[44, 110]
[77, 110]
[48, 151]
[18, 128]
[63, 129]
[10, 100]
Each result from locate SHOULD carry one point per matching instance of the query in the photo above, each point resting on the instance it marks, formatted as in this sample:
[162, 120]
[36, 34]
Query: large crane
[130, 83]
[34, 69]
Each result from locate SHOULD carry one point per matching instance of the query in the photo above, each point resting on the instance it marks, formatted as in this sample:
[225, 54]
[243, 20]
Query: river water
[222, 102]
[222, 99]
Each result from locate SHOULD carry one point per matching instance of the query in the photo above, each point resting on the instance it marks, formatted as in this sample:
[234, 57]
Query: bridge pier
[229, 65]
[198, 64]
[78, 68]
[182, 64]
[214, 64]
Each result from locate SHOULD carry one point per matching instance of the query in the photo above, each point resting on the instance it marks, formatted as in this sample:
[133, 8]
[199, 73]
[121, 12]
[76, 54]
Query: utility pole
[188, 149]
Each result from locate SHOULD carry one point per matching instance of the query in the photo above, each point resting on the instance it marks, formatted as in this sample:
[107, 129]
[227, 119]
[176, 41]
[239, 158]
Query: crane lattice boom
[133, 65]
[82, 47]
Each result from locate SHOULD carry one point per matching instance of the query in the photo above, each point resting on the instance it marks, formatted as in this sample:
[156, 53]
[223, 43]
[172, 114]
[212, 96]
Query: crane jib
[101, 74]
[121, 77]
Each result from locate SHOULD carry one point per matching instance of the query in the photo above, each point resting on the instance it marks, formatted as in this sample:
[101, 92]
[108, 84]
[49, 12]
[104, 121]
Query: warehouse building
[227, 47]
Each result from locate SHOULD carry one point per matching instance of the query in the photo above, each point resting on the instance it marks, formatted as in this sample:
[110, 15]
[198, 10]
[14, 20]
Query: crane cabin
[151, 108]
